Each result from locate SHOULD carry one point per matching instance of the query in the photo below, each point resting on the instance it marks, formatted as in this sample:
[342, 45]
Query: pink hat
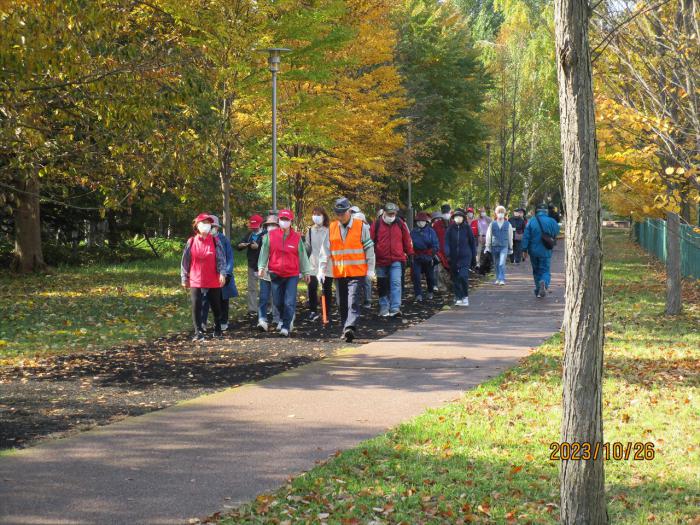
[204, 217]
[286, 214]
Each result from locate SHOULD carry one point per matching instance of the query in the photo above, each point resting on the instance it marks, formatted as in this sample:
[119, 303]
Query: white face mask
[272, 227]
[446, 216]
[389, 218]
[501, 216]
[285, 224]
[318, 219]
[214, 230]
[470, 215]
[459, 219]
[421, 224]
[483, 214]
[204, 227]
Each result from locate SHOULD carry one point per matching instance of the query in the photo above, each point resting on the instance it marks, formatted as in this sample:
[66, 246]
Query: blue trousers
[540, 270]
[500, 254]
[460, 279]
[264, 299]
[284, 295]
[389, 283]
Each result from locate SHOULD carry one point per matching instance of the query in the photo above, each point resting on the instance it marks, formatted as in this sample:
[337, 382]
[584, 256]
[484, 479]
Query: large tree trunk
[28, 253]
[673, 264]
[582, 482]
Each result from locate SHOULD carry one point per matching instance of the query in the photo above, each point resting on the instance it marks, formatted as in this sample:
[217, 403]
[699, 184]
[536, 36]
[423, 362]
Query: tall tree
[649, 62]
[582, 482]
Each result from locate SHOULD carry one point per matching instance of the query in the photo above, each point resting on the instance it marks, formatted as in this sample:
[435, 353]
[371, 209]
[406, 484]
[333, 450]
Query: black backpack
[548, 241]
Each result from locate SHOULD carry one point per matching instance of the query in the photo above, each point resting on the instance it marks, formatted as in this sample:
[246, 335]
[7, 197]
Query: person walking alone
[203, 270]
[538, 241]
[392, 246]
[499, 242]
[460, 248]
[283, 257]
[314, 240]
[347, 256]
[425, 247]
[251, 243]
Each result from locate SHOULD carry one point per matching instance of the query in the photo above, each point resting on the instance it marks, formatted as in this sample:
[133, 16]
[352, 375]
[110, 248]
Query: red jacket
[284, 253]
[203, 268]
[475, 228]
[440, 229]
[392, 242]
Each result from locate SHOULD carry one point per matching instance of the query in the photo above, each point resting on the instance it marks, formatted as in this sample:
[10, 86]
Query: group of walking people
[342, 257]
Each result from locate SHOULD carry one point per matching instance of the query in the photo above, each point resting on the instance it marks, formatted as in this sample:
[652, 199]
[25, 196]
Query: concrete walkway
[193, 459]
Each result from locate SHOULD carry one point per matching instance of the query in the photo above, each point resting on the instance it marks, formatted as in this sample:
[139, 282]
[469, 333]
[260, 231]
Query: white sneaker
[279, 325]
[502, 283]
[224, 326]
[284, 332]
[496, 282]
[262, 325]
[464, 302]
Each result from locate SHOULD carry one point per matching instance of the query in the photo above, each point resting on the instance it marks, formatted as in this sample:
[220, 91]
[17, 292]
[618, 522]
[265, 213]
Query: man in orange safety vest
[348, 256]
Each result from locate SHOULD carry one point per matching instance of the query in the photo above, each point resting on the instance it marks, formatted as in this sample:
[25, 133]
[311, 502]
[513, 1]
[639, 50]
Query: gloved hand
[320, 276]
[372, 275]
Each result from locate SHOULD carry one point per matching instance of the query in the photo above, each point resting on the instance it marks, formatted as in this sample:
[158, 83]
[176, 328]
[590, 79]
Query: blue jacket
[229, 290]
[425, 241]
[532, 239]
[460, 246]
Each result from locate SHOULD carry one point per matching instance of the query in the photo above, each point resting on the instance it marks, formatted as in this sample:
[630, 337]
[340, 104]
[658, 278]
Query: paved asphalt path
[197, 457]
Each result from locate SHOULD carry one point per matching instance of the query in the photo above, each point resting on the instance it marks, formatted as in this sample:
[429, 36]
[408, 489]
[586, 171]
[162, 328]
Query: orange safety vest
[347, 257]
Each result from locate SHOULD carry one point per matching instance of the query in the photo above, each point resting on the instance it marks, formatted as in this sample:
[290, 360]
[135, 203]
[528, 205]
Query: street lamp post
[274, 59]
[409, 213]
[488, 174]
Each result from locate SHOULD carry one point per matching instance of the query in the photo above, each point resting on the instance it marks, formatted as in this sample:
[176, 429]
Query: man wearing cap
[540, 255]
[251, 242]
[392, 246]
[425, 246]
[443, 269]
[283, 256]
[518, 222]
[349, 252]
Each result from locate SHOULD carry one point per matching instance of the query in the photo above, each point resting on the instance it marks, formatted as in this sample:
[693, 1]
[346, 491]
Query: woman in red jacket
[203, 271]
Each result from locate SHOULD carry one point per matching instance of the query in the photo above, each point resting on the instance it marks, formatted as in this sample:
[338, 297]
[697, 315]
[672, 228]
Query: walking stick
[324, 310]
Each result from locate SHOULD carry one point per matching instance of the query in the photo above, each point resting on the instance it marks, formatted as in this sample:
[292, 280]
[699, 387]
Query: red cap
[422, 216]
[286, 214]
[255, 221]
[470, 210]
[204, 217]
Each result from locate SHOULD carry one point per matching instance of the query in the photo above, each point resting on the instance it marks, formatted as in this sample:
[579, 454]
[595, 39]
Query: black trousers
[327, 293]
[214, 296]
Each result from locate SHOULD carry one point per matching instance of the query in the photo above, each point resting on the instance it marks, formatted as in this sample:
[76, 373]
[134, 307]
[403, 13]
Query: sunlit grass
[486, 458]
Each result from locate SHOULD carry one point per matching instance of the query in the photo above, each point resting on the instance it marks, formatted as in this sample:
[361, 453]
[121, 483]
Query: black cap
[543, 206]
[446, 208]
[460, 211]
[342, 205]
[391, 207]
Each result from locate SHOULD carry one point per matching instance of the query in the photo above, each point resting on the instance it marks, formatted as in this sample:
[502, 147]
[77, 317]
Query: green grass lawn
[485, 459]
[96, 307]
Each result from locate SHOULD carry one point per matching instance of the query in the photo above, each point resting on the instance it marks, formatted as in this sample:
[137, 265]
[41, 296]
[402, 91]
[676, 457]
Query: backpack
[548, 241]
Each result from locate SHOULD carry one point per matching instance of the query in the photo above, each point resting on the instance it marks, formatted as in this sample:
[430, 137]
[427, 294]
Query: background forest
[125, 118]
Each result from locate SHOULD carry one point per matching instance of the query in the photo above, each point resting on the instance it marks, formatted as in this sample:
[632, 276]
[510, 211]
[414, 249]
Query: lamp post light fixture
[273, 61]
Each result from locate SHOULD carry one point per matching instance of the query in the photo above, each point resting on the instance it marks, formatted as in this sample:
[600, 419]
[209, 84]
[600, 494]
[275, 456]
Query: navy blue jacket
[425, 241]
[460, 245]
